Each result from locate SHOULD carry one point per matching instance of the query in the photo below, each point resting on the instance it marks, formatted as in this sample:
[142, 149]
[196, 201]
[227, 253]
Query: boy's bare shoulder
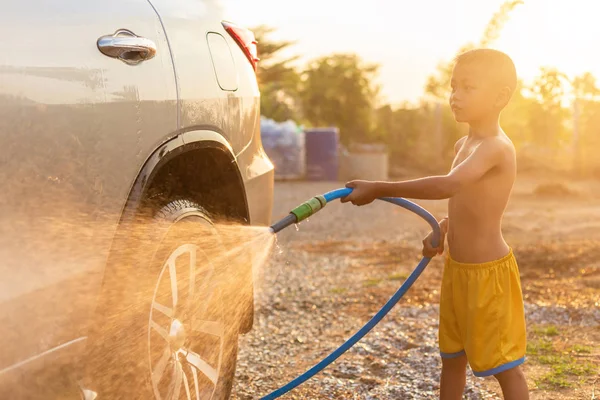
[494, 145]
[501, 142]
[499, 146]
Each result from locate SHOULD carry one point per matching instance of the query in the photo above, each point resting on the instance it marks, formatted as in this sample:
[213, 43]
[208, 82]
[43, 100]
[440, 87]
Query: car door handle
[127, 47]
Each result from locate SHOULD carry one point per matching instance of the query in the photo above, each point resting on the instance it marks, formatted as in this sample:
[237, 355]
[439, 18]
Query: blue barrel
[322, 160]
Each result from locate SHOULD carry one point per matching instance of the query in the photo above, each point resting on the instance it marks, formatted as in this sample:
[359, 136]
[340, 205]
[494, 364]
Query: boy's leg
[454, 377]
[513, 384]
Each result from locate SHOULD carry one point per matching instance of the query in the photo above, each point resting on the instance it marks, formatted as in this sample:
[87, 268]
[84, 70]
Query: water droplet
[278, 247]
[297, 227]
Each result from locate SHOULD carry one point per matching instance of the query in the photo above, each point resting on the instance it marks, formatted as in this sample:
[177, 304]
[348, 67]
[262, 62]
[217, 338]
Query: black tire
[161, 326]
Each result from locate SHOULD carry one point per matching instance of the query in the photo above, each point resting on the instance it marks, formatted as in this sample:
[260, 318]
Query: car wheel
[164, 331]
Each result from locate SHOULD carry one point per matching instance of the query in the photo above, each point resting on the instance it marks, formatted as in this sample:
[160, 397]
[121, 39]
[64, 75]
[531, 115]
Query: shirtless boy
[482, 318]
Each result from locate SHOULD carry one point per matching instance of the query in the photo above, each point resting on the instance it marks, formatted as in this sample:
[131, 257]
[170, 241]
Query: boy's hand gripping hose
[307, 209]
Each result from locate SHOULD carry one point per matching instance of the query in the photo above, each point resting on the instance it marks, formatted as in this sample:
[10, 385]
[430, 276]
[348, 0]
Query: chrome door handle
[127, 47]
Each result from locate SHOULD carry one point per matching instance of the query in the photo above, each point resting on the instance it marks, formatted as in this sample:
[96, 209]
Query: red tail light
[246, 40]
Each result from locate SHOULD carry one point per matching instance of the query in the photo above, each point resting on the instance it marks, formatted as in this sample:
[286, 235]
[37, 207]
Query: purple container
[322, 160]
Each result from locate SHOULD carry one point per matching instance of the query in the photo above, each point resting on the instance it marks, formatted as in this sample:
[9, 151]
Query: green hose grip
[309, 207]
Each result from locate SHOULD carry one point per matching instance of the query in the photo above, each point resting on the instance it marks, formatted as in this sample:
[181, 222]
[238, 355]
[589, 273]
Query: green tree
[515, 117]
[277, 77]
[414, 139]
[493, 30]
[421, 136]
[384, 123]
[586, 124]
[549, 87]
[585, 88]
[546, 114]
[338, 90]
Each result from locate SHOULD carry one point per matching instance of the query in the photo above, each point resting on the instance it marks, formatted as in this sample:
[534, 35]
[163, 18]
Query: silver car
[127, 129]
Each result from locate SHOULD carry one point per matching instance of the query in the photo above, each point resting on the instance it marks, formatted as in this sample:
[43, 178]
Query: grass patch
[539, 347]
[553, 381]
[552, 359]
[574, 368]
[563, 371]
[547, 331]
[398, 276]
[338, 290]
[581, 349]
[372, 282]
[551, 331]
[563, 367]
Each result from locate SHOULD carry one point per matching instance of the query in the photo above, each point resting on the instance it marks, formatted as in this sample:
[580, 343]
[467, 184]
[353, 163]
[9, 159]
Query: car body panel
[202, 103]
[258, 175]
[75, 129]
[78, 130]
[233, 114]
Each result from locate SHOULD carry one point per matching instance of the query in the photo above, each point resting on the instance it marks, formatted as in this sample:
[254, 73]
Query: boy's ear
[503, 97]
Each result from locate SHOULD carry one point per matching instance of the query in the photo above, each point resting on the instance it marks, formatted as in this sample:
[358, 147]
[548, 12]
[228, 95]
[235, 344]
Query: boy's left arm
[485, 157]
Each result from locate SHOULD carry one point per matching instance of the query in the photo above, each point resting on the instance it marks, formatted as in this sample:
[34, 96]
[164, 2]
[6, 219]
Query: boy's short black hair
[499, 65]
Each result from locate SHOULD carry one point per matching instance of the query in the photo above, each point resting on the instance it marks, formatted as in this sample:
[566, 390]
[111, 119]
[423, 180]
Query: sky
[410, 38]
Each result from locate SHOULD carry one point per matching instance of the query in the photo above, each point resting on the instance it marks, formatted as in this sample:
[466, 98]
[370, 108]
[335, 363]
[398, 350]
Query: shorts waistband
[489, 264]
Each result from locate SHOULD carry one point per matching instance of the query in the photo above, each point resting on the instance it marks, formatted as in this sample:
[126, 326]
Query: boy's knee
[512, 374]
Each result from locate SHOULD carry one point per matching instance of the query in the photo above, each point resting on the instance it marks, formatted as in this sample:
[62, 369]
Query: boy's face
[474, 96]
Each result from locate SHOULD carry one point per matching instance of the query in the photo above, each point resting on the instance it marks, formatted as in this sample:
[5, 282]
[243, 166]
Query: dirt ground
[328, 278]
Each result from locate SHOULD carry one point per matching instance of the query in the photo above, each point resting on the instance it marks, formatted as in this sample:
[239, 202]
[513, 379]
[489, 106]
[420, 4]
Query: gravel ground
[326, 280]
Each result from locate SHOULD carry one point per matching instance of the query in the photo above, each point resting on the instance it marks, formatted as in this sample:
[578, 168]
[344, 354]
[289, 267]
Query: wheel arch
[198, 163]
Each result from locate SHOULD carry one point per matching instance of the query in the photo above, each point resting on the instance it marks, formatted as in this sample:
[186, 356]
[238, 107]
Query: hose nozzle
[309, 207]
[300, 213]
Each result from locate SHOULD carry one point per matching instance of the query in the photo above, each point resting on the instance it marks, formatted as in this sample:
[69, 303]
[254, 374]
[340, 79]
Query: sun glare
[562, 35]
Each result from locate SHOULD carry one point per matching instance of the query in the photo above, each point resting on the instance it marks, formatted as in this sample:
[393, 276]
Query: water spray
[311, 207]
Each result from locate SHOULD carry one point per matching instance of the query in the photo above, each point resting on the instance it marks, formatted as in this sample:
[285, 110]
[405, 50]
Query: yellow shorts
[482, 315]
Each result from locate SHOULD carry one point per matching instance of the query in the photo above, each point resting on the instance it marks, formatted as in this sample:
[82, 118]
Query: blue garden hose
[307, 209]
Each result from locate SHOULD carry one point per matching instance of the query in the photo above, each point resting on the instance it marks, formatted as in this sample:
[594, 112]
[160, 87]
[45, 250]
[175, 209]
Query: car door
[84, 100]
